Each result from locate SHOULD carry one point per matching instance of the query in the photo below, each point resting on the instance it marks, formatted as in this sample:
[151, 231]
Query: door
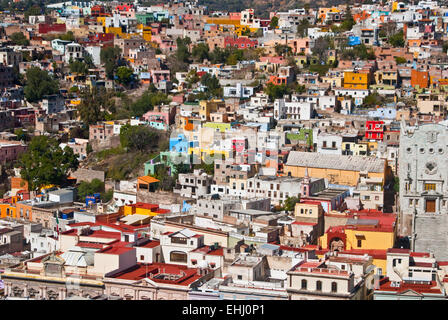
[430, 205]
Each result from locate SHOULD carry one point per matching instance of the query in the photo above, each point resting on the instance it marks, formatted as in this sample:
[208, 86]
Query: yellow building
[356, 80]
[333, 80]
[207, 107]
[222, 127]
[372, 145]
[322, 15]
[205, 153]
[361, 149]
[370, 232]
[101, 20]
[146, 209]
[338, 169]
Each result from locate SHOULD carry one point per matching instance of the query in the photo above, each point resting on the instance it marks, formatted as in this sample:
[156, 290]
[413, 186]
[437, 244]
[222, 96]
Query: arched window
[319, 285]
[334, 287]
[304, 284]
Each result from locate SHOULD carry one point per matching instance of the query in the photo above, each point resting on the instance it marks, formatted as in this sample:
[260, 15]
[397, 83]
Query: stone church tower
[423, 174]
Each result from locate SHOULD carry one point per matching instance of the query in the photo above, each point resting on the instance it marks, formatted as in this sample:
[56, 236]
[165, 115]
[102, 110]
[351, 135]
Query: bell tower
[305, 186]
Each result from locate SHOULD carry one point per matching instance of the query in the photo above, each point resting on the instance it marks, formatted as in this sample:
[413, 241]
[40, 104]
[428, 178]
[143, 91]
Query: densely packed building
[169, 151]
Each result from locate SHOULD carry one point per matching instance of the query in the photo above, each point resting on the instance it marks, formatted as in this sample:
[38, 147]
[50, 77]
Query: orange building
[276, 80]
[356, 80]
[419, 78]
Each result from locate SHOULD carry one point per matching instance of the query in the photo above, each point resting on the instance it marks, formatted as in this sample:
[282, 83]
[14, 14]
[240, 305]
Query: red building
[374, 130]
[240, 43]
[10, 150]
[104, 39]
[97, 11]
[47, 28]
[124, 7]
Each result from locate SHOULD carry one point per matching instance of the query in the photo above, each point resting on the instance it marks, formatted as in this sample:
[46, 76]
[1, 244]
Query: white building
[238, 91]
[293, 110]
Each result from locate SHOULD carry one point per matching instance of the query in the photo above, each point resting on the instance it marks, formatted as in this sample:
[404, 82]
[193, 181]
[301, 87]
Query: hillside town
[161, 150]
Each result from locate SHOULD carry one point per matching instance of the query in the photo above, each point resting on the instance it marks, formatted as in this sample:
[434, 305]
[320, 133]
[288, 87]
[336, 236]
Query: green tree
[182, 53]
[22, 135]
[290, 203]
[147, 101]
[138, 138]
[400, 60]
[79, 132]
[18, 38]
[302, 28]
[282, 49]
[78, 67]
[33, 11]
[89, 148]
[445, 46]
[321, 47]
[124, 75]
[200, 51]
[209, 168]
[397, 40]
[38, 84]
[274, 22]
[110, 56]
[276, 91]
[89, 188]
[219, 55]
[69, 36]
[348, 22]
[372, 100]
[45, 163]
[396, 184]
[359, 51]
[167, 182]
[211, 81]
[192, 78]
[93, 105]
[107, 196]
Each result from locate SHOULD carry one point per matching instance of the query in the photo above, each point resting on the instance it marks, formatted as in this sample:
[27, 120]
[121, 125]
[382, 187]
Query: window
[240, 277]
[359, 243]
[304, 284]
[395, 262]
[318, 285]
[430, 186]
[178, 256]
[334, 287]
[142, 257]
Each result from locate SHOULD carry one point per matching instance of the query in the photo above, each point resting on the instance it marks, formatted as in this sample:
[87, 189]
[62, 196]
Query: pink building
[10, 150]
[160, 75]
[155, 281]
[235, 16]
[164, 114]
[240, 43]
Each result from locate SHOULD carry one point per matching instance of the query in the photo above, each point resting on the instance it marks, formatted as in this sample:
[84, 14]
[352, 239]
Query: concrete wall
[431, 235]
[88, 175]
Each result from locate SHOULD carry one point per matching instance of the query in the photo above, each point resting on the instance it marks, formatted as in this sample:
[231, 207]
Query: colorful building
[356, 80]
[142, 208]
[374, 130]
[419, 78]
